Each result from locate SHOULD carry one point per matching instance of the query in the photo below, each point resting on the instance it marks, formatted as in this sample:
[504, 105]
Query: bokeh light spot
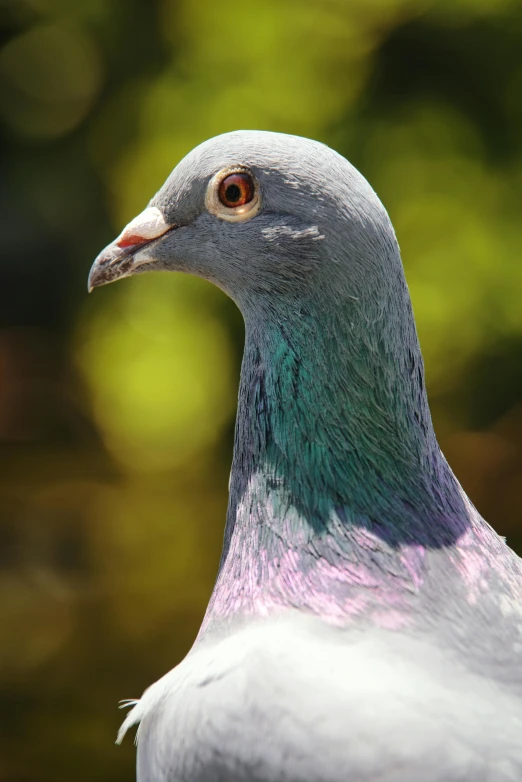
[159, 367]
[49, 77]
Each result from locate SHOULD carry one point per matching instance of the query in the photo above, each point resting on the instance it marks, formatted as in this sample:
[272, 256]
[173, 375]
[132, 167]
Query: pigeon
[366, 622]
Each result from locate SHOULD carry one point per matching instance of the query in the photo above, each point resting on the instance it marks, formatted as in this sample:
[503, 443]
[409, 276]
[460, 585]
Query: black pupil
[233, 193]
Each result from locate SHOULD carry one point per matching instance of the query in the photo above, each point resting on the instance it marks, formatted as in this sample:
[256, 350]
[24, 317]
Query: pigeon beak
[130, 250]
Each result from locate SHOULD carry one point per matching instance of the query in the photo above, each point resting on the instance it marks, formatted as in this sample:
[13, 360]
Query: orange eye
[233, 195]
[236, 190]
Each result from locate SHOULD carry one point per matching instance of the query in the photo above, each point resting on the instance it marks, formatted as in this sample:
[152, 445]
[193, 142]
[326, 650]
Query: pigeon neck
[330, 415]
[335, 457]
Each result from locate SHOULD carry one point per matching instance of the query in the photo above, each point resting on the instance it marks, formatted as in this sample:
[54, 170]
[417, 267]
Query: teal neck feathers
[327, 421]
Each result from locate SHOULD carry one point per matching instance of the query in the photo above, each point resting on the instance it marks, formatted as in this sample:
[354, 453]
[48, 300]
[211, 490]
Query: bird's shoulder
[296, 699]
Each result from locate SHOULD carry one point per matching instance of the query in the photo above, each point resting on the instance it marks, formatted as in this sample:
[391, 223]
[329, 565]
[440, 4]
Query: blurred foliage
[116, 411]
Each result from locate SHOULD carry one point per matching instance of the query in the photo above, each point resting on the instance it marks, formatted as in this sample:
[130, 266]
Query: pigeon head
[263, 215]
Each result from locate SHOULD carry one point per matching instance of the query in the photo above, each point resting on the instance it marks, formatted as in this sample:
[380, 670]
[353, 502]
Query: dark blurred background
[116, 410]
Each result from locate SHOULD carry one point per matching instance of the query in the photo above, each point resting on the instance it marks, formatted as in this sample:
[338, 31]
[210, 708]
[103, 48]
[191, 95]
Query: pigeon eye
[233, 195]
[236, 190]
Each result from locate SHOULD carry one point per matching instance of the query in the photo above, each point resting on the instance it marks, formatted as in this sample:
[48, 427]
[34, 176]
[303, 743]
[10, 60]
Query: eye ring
[233, 194]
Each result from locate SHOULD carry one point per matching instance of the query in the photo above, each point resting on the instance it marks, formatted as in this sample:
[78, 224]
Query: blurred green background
[116, 410]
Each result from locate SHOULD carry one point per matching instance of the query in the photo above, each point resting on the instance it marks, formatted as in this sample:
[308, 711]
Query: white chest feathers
[295, 700]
